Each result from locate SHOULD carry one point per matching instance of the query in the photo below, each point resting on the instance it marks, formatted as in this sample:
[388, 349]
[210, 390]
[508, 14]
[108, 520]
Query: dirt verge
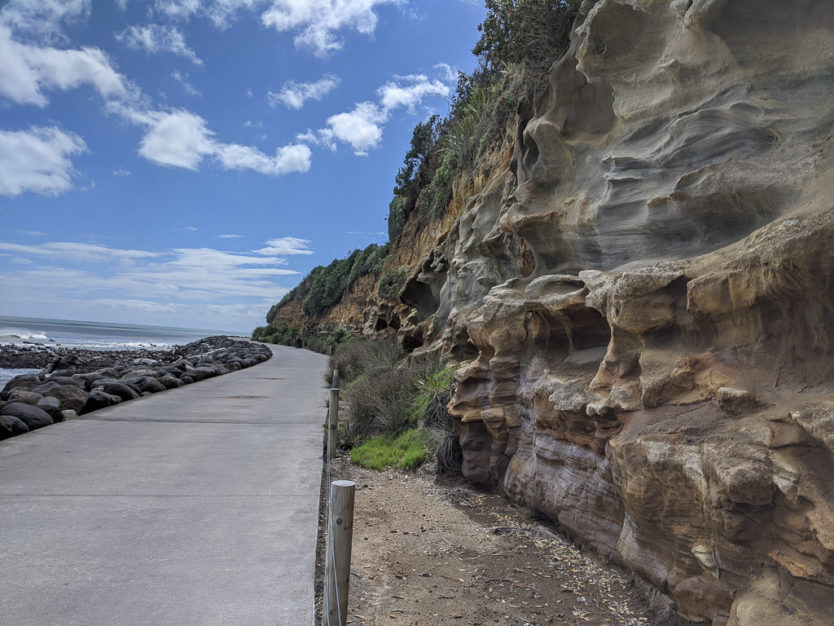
[429, 550]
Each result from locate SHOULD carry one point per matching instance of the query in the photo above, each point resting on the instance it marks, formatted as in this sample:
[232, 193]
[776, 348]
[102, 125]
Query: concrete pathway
[193, 506]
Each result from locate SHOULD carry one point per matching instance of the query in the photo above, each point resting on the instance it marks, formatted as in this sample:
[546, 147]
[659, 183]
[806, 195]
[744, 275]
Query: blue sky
[186, 162]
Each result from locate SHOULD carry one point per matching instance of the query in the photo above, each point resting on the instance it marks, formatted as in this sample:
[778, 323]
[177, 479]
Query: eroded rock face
[643, 303]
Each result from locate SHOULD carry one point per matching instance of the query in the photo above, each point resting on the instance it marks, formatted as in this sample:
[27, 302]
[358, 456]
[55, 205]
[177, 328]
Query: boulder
[169, 381]
[30, 415]
[65, 380]
[205, 371]
[116, 388]
[72, 396]
[21, 395]
[25, 382]
[51, 405]
[99, 399]
[145, 383]
[69, 414]
[11, 426]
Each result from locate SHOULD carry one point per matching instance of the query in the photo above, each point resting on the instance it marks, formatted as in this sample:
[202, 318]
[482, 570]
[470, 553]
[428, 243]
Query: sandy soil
[429, 550]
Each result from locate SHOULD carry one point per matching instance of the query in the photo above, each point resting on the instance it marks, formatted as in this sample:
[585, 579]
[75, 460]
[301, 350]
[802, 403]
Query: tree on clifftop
[530, 32]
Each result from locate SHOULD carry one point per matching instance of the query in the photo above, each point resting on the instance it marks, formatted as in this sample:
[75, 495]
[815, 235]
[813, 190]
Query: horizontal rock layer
[642, 301]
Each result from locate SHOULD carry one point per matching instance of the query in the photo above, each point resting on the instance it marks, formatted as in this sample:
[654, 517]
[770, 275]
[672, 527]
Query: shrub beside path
[193, 506]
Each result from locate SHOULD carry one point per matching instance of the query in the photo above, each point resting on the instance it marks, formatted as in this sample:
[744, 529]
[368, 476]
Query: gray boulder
[99, 399]
[25, 382]
[116, 388]
[66, 380]
[11, 426]
[72, 396]
[30, 415]
[52, 406]
[21, 395]
[145, 383]
[169, 381]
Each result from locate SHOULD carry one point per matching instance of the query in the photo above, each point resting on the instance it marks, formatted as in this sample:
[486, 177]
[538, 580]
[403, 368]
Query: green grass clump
[434, 390]
[406, 451]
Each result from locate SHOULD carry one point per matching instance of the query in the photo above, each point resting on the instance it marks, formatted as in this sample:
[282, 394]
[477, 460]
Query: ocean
[92, 336]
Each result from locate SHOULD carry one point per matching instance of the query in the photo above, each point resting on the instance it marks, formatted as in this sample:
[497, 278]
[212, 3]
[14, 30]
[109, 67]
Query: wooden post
[337, 561]
[333, 427]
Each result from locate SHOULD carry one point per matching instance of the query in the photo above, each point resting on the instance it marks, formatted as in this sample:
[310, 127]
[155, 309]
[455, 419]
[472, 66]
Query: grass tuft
[406, 451]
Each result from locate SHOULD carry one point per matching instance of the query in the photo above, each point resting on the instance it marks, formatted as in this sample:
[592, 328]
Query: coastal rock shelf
[74, 382]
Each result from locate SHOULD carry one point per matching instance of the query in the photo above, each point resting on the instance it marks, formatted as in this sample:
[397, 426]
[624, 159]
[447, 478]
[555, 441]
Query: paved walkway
[193, 506]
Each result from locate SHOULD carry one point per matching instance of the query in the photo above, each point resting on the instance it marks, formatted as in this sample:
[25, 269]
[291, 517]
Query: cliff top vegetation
[519, 41]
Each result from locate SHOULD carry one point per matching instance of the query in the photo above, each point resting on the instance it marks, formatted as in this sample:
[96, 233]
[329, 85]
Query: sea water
[92, 336]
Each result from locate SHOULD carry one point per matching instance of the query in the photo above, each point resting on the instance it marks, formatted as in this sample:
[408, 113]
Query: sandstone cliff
[640, 292]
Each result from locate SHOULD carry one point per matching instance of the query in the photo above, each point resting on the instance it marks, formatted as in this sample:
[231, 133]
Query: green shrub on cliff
[391, 283]
[532, 32]
[519, 41]
[416, 172]
[328, 283]
[278, 332]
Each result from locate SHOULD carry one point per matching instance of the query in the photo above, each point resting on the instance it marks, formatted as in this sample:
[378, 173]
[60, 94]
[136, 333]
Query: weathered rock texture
[642, 299]
[640, 292]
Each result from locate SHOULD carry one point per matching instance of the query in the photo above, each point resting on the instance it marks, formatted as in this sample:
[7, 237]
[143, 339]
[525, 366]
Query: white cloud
[447, 73]
[178, 277]
[220, 12]
[27, 70]
[322, 137]
[317, 22]
[73, 251]
[178, 138]
[66, 291]
[410, 91]
[156, 38]
[121, 173]
[190, 89]
[285, 246]
[361, 128]
[182, 9]
[293, 94]
[294, 158]
[229, 236]
[37, 160]
[43, 18]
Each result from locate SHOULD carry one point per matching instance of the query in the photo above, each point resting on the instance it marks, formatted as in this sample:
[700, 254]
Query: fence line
[339, 500]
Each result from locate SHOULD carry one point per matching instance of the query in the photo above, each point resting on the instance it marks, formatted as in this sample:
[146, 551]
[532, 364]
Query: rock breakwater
[76, 381]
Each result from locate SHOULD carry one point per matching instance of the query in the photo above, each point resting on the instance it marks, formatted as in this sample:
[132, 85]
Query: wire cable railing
[339, 498]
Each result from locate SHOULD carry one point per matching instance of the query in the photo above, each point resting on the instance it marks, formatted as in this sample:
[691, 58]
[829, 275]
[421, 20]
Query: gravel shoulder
[431, 550]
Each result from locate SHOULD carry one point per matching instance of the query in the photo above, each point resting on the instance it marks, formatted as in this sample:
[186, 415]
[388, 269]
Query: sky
[187, 162]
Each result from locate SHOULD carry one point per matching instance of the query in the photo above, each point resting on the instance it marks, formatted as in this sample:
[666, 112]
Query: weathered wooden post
[333, 426]
[337, 559]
